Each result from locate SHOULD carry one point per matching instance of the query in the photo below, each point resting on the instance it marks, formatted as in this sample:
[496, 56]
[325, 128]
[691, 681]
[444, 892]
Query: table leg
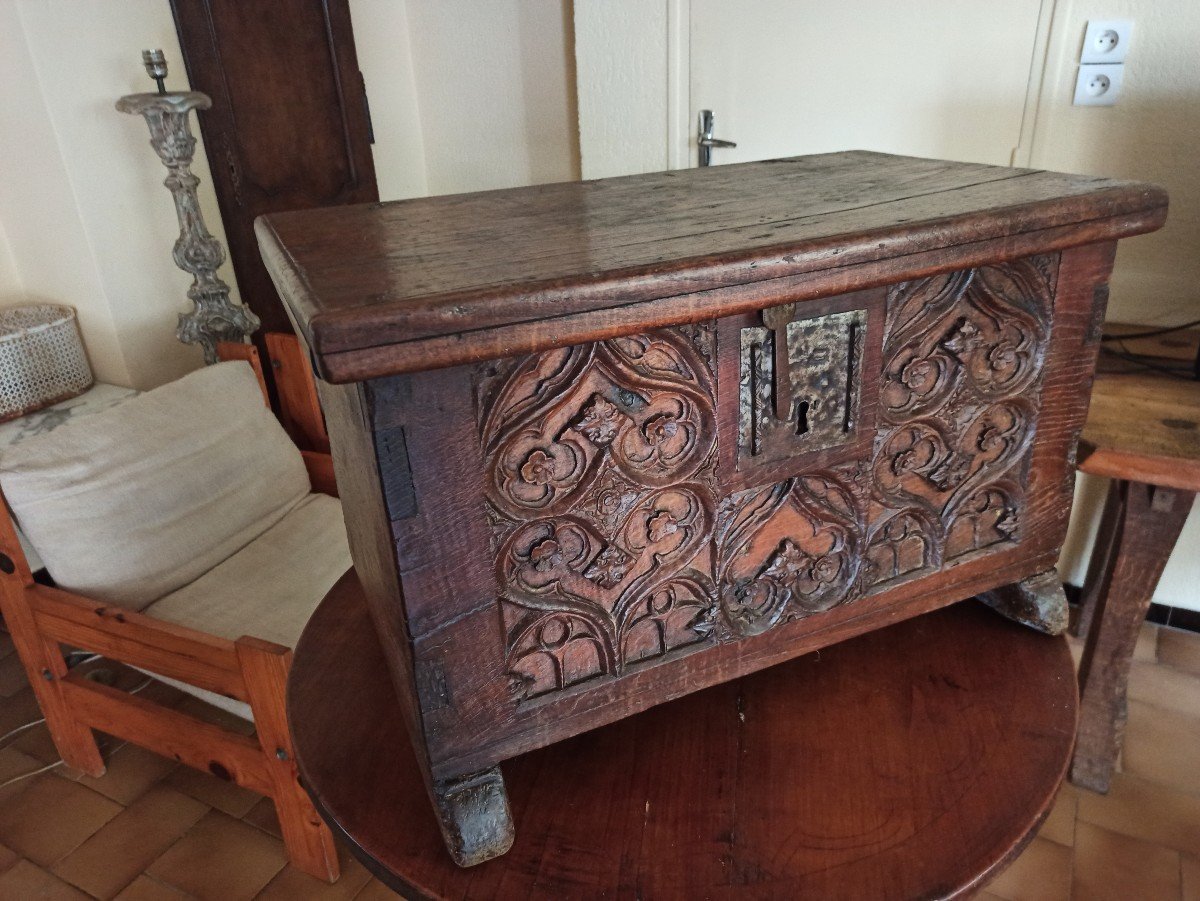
[1147, 522]
[1103, 552]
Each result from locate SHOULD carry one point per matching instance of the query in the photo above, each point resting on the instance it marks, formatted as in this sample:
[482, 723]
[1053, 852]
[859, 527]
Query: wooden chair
[246, 674]
[1143, 433]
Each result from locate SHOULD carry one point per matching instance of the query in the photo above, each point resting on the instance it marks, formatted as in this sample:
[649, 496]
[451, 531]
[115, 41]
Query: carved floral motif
[616, 545]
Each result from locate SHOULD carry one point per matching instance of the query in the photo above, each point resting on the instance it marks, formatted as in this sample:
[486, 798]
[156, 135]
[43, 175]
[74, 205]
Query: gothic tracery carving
[616, 545]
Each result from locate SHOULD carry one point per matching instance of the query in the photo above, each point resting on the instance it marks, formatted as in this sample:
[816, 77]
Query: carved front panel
[618, 540]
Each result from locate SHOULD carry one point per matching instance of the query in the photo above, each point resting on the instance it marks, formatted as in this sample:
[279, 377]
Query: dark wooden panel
[288, 128]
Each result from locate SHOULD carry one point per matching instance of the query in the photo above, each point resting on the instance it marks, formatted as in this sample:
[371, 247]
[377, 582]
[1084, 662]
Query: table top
[1145, 426]
[911, 761]
[567, 261]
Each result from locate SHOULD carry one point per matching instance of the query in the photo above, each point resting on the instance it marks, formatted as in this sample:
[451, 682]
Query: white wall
[10, 278]
[381, 40]
[1150, 135]
[468, 96]
[87, 219]
[626, 81]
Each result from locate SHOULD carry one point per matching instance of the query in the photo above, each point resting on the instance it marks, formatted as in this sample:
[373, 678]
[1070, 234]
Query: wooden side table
[913, 761]
[1143, 432]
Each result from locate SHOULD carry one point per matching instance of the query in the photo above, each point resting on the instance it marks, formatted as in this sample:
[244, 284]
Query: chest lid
[417, 284]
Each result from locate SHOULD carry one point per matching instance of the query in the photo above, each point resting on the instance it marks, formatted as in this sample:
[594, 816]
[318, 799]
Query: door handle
[705, 140]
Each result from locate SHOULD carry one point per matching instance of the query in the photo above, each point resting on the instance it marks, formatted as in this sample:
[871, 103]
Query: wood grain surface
[911, 762]
[288, 128]
[375, 286]
[1138, 532]
[1143, 427]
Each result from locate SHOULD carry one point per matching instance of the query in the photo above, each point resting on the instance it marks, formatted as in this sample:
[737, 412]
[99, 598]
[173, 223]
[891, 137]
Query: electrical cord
[45, 769]
[19, 729]
[1152, 333]
[1145, 362]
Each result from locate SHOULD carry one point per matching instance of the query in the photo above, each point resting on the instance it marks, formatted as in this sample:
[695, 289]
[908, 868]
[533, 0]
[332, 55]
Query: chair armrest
[320, 472]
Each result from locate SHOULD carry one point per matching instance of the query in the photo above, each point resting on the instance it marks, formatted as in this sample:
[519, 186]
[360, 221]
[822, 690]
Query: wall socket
[1106, 41]
[1098, 85]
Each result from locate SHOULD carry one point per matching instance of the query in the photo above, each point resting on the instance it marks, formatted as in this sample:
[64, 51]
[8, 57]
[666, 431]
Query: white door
[932, 78]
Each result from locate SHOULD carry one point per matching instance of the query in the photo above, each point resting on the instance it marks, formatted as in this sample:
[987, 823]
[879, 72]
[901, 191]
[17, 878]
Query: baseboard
[1161, 614]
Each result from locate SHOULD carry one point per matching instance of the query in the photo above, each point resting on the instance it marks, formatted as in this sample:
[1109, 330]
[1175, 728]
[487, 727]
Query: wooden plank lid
[416, 284]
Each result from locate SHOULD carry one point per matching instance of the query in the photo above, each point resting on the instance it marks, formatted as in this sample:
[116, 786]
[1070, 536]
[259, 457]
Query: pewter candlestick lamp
[215, 318]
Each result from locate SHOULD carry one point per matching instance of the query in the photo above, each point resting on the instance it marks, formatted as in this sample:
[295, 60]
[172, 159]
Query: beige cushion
[134, 502]
[268, 589]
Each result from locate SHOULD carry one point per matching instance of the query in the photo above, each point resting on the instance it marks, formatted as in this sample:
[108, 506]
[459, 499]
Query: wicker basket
[41, 358]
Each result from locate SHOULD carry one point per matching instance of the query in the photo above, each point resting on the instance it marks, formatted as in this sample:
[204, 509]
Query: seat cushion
[268, 589]
[134, 502]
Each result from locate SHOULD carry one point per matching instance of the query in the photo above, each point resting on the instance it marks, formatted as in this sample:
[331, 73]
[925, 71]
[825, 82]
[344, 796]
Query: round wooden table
[914, 761]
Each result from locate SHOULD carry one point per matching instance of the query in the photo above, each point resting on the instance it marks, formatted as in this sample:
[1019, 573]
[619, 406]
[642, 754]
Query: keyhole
[802, 418]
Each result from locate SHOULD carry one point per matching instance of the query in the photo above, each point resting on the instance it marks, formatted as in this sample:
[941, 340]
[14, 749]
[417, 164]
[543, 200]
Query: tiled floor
[151, 830]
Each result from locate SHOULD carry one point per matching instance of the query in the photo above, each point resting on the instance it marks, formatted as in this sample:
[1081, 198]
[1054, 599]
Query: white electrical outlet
[1106, 41]
[1098, 85]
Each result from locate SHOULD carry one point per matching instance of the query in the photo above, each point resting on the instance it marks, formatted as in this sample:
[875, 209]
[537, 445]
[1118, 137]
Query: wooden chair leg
[308, 841]
[1151, 521]
[45, 666]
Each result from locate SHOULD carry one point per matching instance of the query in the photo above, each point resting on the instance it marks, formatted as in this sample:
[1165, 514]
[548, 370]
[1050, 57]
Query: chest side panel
[656, 494]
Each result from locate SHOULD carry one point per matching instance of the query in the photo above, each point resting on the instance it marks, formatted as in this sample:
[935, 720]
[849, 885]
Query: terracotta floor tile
[376, 891]
[1041, 873]
[1179, 649]
[53, 817]
[12, 764]
[130, 842]
[1114, 867]
[222, 859]
[1163, 746]
[146, 889]
[7, 858]
[1147, 643]
[1060, 825]
[25, 880]
[263, 816]
[1164, 686]
[163, 694]
[37, 743]
[292, 885]
[1145, 810]
[12, 675]
[1190, 868]
[227, 797]
[17, 710]
[131, 771]
[6, 644]
[195, 707]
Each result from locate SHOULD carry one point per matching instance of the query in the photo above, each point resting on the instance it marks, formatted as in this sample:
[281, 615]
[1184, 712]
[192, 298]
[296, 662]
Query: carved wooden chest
[607, 443]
